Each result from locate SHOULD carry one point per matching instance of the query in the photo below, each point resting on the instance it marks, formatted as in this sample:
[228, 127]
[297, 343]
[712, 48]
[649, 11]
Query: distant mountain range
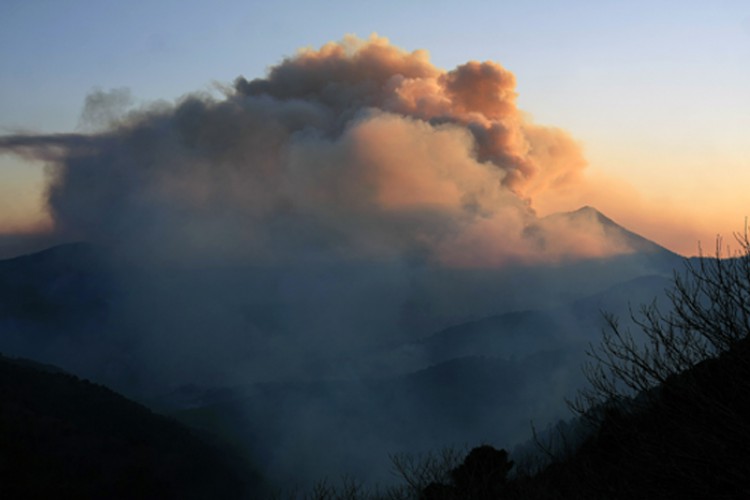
[468, 356]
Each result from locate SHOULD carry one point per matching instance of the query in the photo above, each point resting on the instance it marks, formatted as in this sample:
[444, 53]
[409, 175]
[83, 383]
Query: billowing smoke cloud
[311, 226]
[358, 150]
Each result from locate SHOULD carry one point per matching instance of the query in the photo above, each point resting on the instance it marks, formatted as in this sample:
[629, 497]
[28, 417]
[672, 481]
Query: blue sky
[655, 91]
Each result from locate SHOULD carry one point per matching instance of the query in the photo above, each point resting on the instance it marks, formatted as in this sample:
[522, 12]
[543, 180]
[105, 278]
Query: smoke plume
[315, 225]
[358, 150]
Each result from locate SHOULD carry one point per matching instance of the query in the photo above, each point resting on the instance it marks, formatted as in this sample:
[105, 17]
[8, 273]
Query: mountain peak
[587, 209]
[591, 213]
[587, 214]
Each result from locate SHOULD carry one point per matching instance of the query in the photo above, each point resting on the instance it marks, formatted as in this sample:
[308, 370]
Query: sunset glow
[651, 134]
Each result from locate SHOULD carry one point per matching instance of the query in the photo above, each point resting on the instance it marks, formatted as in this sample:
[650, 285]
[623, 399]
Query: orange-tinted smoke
[358, 149]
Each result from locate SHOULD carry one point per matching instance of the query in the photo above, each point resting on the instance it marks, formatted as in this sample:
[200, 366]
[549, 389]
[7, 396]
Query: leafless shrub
[708, 317]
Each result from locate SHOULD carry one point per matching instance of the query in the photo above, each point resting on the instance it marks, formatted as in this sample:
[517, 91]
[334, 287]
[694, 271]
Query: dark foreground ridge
[690, 441]
[63, 437]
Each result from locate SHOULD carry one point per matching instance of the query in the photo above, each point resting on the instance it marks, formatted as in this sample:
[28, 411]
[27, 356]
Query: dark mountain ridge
[63, 437]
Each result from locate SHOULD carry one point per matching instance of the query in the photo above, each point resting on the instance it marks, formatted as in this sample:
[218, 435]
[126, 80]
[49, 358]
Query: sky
[654, 92]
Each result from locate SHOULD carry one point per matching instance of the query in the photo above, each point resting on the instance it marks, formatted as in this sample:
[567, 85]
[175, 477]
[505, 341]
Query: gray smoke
[354, 199]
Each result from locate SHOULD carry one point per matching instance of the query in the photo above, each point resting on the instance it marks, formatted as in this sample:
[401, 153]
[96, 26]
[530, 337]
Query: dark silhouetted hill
[63, 437]
[691, 441]
[63, 284]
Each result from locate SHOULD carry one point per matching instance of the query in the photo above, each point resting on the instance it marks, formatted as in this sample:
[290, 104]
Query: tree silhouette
[482, 475]
[669, 403]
